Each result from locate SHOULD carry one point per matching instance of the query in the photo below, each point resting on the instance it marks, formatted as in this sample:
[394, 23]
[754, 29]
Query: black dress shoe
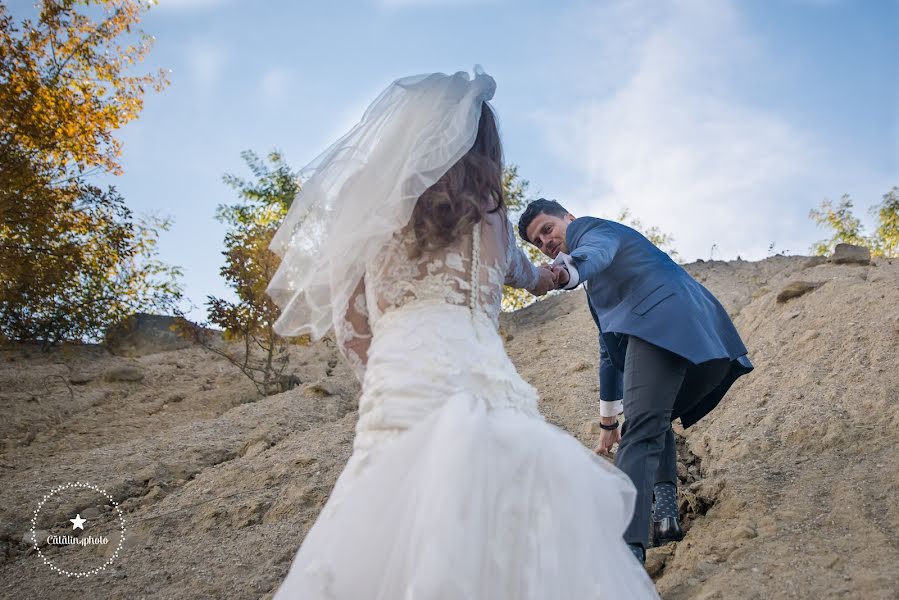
[665, 531]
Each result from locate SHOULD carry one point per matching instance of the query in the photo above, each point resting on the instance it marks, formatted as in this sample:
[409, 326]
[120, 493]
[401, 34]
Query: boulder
[143, 334]
[81, 378]
[813, 262]
[848, 254]
[39, 538]
[128, 373]
[795, 289]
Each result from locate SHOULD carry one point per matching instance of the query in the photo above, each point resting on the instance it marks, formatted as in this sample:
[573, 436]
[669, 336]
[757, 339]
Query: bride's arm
[353, 332]
[521, 272]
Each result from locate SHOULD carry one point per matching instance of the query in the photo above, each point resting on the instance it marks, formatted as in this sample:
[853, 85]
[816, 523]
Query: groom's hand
[607, 438]
[562, 276]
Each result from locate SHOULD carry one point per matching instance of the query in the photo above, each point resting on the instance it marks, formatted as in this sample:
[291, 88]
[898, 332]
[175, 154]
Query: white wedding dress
[457, 487]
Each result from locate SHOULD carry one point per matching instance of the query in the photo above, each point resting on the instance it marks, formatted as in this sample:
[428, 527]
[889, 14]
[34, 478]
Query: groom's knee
[646, 427]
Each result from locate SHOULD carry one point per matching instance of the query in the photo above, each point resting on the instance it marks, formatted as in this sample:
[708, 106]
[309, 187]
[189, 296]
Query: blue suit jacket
[633, 288]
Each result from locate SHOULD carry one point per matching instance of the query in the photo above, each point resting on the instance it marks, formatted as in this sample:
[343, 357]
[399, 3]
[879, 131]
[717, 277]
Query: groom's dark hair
[540, 205]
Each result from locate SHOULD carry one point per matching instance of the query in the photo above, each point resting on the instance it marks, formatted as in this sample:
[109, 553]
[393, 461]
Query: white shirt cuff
[611, 408]
[573, 276]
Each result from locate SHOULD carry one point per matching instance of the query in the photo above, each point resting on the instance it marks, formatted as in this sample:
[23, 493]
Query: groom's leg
[667, 472]
[652, 378]
[665, 490]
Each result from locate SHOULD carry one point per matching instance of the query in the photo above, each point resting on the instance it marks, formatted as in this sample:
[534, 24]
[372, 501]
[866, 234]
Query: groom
[667, 350]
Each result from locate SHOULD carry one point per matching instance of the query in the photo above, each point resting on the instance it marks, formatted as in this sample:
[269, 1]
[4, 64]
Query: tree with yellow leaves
[72, 259]
[259, 353]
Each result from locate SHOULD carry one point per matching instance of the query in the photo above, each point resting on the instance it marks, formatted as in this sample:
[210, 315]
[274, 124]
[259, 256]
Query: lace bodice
[470, 272]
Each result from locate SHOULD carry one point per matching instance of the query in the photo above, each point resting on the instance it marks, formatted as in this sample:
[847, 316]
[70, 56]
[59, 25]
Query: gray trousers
[658, 386]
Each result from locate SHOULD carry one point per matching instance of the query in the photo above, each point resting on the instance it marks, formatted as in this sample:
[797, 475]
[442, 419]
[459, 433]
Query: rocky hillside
[789, 487]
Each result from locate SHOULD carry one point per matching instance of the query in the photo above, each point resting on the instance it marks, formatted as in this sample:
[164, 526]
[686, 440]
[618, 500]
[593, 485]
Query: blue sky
[720, 121]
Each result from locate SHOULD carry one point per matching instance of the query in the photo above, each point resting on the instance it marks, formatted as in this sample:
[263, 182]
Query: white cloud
[206, 62]
[664, 132]
[275, 86]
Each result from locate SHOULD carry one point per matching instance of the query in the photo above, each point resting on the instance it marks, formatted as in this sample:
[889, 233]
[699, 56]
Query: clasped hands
[551, 278]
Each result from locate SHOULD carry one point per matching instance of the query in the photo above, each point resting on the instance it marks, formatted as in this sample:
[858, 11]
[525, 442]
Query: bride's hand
[546, 282]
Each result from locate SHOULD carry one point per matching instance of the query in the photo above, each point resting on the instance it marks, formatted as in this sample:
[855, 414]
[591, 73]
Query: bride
[457, 487]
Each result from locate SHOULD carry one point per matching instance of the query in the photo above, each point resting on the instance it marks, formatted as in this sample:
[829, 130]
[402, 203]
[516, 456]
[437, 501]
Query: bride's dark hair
[470, 189]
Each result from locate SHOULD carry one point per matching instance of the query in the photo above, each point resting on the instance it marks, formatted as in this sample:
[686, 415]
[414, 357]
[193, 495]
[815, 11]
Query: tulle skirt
[458, 488]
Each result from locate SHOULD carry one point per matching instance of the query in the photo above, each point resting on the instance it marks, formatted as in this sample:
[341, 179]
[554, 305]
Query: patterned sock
[665, 501]
[639, 552]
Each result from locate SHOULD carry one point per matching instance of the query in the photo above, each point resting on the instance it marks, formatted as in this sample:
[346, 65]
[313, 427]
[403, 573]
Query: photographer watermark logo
[83, 546]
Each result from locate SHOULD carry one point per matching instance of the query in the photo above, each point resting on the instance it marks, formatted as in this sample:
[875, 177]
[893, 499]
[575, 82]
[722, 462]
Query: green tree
[516, 196]
[263, 356]
[75, 273]
[72, 258]
[886, 237]
[848, 229]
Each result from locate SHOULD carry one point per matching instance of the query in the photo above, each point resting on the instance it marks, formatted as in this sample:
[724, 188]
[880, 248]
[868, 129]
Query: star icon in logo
[78, 522]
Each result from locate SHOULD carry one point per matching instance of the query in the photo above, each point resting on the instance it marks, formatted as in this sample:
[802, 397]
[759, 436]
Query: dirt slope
[789, 486]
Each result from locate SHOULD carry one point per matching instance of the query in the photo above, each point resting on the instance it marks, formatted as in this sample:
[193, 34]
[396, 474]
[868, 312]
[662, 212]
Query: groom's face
[547, 233]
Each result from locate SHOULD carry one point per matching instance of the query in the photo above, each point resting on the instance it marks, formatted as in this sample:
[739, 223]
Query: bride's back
[403, 273]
